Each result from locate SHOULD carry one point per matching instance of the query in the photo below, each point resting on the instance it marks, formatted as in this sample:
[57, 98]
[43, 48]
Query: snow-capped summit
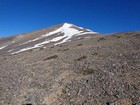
[69, 31]
[55, 35]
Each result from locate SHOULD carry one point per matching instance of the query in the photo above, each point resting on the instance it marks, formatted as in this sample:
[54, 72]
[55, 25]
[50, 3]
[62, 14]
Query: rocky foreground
[103, 70]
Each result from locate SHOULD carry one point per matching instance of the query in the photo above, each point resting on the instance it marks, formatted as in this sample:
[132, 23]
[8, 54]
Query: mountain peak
[58, 34]
[68, 23]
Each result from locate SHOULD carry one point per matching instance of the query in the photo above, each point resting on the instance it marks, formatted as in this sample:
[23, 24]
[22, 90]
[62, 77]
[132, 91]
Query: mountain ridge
[91, 69]
[57, 34]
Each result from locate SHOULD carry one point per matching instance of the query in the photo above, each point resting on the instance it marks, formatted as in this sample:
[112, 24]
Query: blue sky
[103, 16]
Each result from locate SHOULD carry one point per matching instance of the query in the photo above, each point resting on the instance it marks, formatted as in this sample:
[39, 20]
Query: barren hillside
[99, 70]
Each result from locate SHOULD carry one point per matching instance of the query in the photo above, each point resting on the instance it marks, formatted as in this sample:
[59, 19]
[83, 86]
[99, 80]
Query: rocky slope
[90, 70]
[46, 37]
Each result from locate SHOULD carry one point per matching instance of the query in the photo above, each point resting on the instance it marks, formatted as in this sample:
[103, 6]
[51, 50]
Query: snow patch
[22, 50]
[66, 29]
[3, 47]
[19, 36]
[13, 41]
[10, 50]
[68, 33]
[86, 33]
[29, 41]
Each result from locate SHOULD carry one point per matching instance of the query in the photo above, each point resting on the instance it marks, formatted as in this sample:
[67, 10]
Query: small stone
[120, 54]
[114, 65]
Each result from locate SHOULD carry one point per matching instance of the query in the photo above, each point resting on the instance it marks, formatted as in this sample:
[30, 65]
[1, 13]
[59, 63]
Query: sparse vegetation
[65, 49]
[102, 38]
[63, 91]
[79, 44]
[4, 58]
[87, 71]
[51, 57]
[95, 54]
[81, 58]
[41, 48]
[30, 50]
[59, 45]
[59, 49]
[136, 35]
[117, 36]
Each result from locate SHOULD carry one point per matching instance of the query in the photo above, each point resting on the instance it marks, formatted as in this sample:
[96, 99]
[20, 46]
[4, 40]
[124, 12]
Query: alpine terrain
[70, 65]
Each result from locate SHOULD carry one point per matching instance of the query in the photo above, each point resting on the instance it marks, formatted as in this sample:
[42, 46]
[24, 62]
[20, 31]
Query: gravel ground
[104, 70]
